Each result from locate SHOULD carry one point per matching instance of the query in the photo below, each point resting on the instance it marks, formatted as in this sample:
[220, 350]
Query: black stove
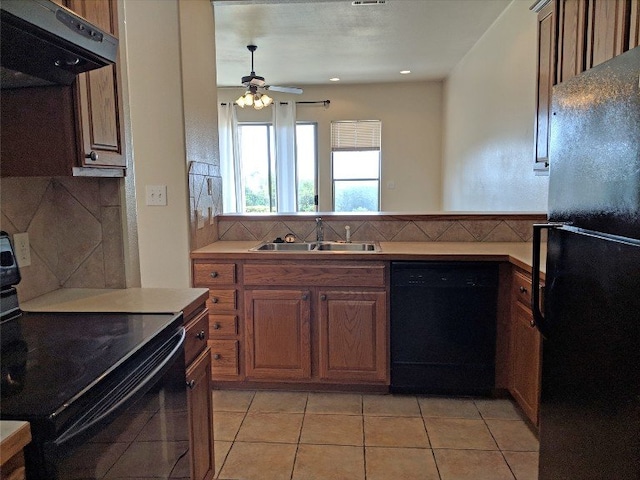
[96, 388]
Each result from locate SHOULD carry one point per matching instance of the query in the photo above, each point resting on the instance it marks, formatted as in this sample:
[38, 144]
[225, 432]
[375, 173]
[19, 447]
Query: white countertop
[129, 300]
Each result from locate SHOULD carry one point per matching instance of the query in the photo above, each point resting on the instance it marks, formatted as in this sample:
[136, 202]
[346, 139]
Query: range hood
[46, 44]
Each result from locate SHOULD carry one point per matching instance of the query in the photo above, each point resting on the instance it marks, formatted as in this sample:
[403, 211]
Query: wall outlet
[23, 250]
[156, 195]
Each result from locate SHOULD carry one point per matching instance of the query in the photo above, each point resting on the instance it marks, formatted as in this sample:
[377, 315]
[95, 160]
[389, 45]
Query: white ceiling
[305, 42]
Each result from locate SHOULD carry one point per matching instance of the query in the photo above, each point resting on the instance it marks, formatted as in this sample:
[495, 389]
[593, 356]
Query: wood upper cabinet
[634, 24]
[607, 30]
[547, 34]
[571, 44]
[59, 130]
[278, 334]
[99, 98]
[352, 335]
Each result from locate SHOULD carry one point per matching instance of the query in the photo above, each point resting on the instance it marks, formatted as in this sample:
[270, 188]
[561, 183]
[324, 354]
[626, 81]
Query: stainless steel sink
[317, 247]
[348, 247]
[284, 247]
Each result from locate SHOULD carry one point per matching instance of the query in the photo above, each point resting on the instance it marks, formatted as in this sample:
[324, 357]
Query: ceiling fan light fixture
[266, 100]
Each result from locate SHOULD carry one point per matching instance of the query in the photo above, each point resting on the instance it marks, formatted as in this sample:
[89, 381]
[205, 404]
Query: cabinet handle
[305, 296]
[213, 274]
[523, 290]
[191, 384]
[216, 326]
[200, 335]
[532, 323]
[216, 356]
[214, 300]
[323, 297]
[92, 155]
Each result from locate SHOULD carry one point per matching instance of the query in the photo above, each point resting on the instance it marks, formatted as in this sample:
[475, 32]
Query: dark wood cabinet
[67, 130]
[547, 34]
[607, 30]
[572, 29]
[634, 24]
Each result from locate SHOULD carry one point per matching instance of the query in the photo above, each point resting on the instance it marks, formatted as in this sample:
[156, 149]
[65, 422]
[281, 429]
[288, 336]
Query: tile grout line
[295, 455]
[433, 453]
[484, 420]
[233, 442]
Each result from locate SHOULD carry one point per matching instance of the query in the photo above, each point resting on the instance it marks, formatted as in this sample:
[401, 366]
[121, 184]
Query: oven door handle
[123, 392]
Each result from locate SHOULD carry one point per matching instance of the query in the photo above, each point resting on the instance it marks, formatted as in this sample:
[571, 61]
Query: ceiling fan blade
[275, 88]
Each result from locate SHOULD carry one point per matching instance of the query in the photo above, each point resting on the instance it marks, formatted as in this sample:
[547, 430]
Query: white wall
[159, 114]
[411, 116]
[489, 121]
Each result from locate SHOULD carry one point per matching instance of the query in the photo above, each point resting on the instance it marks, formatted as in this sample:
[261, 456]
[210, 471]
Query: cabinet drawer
[522, 288]
[367, 275]
[212, 274]
[224, 357]
[223, 325]
[196, 336]
[221, 300]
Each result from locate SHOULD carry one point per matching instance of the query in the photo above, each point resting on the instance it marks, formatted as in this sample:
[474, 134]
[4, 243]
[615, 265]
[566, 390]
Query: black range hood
[46, 44]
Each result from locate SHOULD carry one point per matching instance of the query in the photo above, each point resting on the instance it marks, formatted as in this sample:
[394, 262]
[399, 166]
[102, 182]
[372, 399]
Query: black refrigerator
[590, 400]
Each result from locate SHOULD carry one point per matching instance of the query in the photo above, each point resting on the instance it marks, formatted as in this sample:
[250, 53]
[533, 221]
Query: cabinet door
[634, 24]
[278, 335]
[572, 25]
[353, 336]
[98, 95]
[546, 79]
[607, 34]
[200, 417]
[526, 345]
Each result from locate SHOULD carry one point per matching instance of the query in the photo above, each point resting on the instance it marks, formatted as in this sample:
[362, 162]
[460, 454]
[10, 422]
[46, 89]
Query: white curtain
[284, 123]
[232, 188]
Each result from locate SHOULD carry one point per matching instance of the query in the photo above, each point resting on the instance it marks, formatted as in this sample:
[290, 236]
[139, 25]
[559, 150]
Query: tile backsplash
[386, 228]
[75, 231]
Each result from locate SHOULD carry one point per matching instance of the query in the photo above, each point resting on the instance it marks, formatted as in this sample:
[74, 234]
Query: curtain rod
[323, 102]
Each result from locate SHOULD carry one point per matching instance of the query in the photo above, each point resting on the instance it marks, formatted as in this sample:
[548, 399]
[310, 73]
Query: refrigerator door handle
[538, 317]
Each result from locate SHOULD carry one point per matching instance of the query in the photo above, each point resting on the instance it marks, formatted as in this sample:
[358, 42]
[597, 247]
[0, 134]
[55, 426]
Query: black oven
[105, 394]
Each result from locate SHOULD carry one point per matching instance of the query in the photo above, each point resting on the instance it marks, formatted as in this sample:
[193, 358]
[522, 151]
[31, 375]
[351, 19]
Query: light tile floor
[334, 436]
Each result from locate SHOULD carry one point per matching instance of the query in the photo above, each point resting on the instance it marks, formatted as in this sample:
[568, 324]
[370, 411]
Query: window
[257, 160]
[355, 162]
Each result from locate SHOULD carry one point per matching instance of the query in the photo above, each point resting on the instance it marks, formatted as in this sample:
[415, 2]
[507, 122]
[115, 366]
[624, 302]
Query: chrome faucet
[319, 230]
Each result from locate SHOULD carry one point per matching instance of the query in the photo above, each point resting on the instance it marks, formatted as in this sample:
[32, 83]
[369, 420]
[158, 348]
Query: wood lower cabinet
[199, 398]
[352, 335]
[525, 348]
[277, 334]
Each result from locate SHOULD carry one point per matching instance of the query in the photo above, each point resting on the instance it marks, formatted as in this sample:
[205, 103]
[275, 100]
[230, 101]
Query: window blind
[355, 135]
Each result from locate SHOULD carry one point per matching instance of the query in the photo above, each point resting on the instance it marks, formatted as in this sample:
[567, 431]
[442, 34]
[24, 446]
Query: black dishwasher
[443, 327]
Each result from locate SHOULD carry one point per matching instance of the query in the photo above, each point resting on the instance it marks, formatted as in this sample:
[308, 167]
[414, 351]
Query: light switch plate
[156, 195]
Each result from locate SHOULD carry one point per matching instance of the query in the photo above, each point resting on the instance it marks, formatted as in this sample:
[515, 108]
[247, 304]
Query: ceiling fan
[254, 82]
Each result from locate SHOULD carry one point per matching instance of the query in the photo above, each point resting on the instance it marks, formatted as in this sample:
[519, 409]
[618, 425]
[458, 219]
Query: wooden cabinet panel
[526, 353]
[98, 96]
[353, 336]
[309, 274]
[224, 354]
[522, 288]
[546, 79]
[277, 334]
[634, 24]
[223, 325]
[221, 300]
[213, 274]
[607, 34]
[199, 400]
[196, 336]
[572, 24]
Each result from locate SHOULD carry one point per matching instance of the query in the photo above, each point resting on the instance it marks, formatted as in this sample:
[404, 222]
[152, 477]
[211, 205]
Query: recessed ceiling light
[405, 72]
[334, 79]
